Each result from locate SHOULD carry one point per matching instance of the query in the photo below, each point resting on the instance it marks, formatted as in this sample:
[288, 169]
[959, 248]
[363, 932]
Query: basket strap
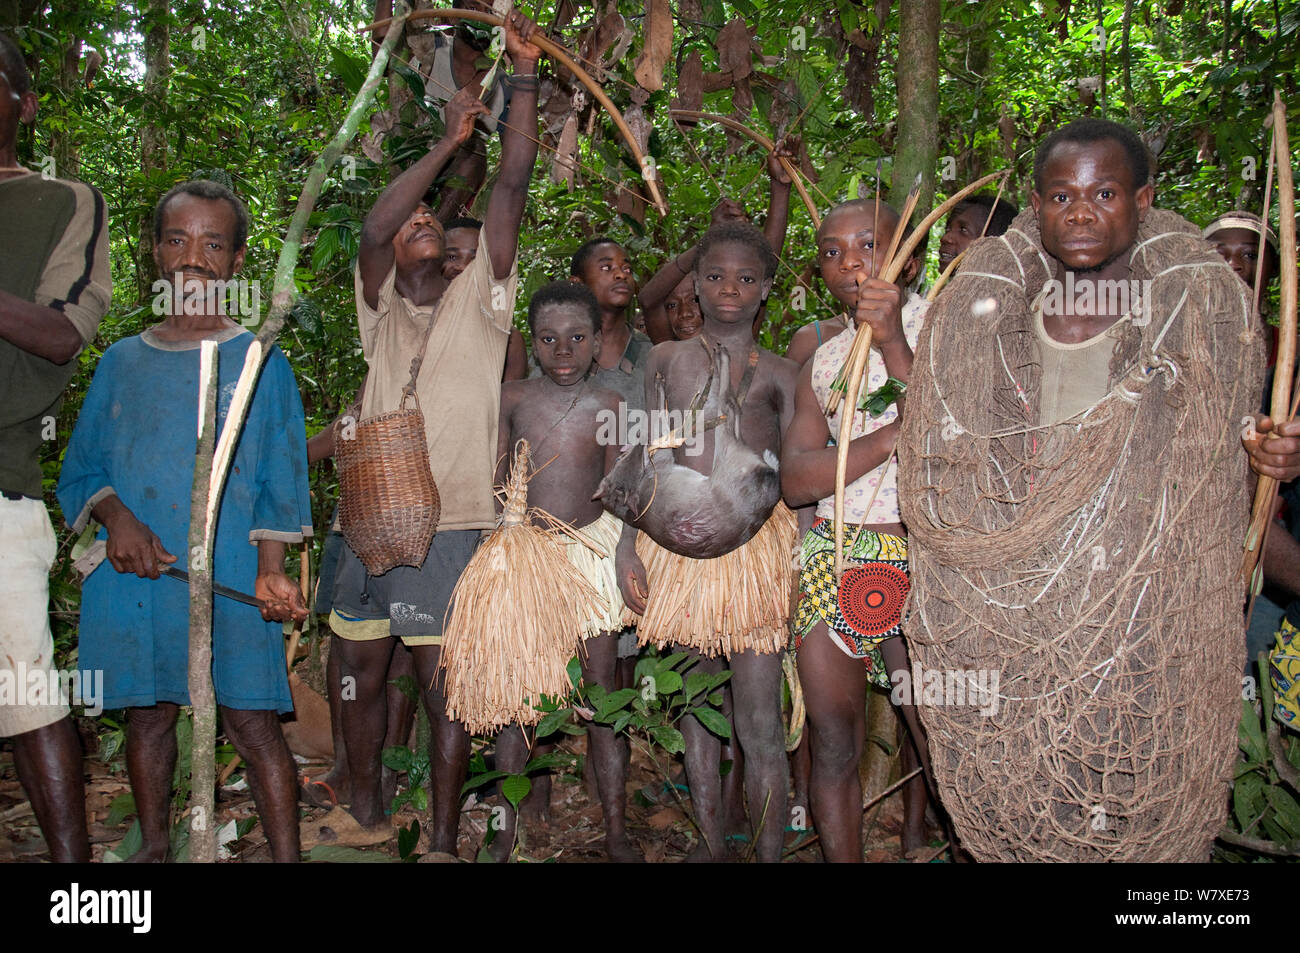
[418, 360]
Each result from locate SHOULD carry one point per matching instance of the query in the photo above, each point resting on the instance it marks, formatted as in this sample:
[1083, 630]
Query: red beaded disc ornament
[871, 597]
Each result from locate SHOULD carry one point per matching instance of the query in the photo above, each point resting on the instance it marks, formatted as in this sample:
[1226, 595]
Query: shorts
[29, 686]
[412, 602]
[1284, 674]
[866, 608]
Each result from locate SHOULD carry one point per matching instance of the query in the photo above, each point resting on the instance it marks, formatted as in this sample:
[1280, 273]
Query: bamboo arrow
[856, 363]
[561, 56]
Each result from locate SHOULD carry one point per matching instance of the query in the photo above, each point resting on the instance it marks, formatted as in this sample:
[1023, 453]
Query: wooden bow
[1284, 372]
[736, 125]
[561, 56]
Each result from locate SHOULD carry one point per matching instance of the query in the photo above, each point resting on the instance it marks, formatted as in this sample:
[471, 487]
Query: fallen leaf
[664, 818]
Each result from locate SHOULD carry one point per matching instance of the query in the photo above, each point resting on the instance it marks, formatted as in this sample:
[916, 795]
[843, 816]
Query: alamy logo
[234, 298]
[976, 688]
[655, 428]
[40, 686]
[1100, 296]
[74, 906]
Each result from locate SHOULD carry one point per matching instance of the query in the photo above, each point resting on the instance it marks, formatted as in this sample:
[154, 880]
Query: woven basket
[388, 502]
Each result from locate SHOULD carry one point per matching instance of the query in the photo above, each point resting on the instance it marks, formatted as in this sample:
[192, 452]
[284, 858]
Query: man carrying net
[1076, 499]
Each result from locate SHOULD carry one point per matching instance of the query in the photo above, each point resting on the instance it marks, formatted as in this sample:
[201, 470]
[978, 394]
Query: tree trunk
[153, 137]
[15, 13]
[918, 102]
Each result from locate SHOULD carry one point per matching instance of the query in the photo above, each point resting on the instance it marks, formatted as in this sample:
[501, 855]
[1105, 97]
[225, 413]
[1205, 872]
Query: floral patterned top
[828, 360]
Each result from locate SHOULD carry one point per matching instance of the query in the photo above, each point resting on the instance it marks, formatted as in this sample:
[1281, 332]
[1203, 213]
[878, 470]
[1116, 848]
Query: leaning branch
[211, 469]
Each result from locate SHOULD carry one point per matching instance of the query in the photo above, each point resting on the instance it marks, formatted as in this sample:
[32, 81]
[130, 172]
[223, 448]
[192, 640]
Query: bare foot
[701, 854]
[620, 850]
[913, 837]
[148, 856]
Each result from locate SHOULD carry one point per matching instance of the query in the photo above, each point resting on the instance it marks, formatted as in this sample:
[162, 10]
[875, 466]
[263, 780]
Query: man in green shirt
[54, 289]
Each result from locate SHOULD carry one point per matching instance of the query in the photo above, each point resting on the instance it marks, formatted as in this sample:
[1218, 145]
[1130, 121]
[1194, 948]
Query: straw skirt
[733, 603]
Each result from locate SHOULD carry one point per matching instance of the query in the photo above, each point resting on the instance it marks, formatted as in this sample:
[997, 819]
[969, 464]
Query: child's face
[608, 273]
[730, 284]
[462, 248]
[1240, 249]
[963, 228]
[565, 343]
[1088, 207]
[850, 248]
[683, 311]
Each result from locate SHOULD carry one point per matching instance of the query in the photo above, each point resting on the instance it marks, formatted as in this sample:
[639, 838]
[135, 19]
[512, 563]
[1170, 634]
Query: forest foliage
[136, 96]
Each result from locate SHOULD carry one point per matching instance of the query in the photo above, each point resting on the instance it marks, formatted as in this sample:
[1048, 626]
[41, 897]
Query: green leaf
[646, 665]
[621, 722]
[126, 848]
[352, 69]
[122, 807]
[516, 788]
[615, 701]
[574, 669]
[713, 720]
[413, 80]
[552, 722]
[1250, 734]
[420, 799]
[696, 682]
[669, 662]
[670, 739]
[397, 758]
[546, 762]
[407, 839]
[1285, 810]
[668, 682]
[487, 777]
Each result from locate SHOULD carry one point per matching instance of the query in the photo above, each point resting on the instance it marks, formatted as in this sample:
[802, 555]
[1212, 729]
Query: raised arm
[656, 291]
[505, 209]
[778, 203]
[404, 195]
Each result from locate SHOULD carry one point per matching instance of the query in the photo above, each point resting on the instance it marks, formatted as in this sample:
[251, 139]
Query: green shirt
[53, 252]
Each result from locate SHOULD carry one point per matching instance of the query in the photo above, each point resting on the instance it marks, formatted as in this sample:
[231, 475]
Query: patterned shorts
[1284, 673]
[866, 608]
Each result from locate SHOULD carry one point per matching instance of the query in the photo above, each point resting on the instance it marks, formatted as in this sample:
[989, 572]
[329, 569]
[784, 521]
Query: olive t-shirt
[53, 252]
[459, 385]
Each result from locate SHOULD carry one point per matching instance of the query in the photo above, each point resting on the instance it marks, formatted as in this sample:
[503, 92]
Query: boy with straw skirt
[735, 605]
[561, 584]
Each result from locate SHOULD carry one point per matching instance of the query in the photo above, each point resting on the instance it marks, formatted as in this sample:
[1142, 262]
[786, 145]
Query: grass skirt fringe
[733, 603]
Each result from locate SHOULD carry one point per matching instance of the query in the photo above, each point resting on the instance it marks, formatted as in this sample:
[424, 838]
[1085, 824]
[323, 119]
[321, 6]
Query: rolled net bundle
[1090, 564]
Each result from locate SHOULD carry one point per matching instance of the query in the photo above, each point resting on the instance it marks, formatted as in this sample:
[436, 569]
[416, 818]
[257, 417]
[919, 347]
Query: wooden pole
[211, 468]
[203, 698]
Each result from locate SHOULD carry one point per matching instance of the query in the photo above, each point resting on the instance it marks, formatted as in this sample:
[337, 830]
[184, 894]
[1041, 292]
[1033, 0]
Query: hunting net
[1090, 564]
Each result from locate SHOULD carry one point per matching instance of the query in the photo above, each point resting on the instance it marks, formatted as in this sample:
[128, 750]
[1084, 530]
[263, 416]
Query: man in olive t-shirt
[54, 289]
